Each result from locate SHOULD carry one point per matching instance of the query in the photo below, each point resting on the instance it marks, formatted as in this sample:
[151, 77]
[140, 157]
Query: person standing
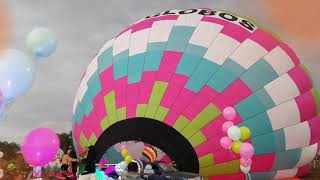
[67, 159]
[133, 173]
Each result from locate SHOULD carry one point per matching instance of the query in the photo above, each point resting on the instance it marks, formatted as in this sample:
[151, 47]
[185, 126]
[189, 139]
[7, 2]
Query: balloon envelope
[40, 146]
[182, 68]
[17, 73]
[42, 42]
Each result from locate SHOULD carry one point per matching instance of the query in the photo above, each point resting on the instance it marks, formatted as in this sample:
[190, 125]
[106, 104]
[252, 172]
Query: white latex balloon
[1, 154]
[245, 170]
[234, 133]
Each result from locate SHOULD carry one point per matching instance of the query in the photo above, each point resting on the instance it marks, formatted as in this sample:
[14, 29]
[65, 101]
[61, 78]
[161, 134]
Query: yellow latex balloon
[128, 159]
[236, 147]
[245, 133]
[124, 153]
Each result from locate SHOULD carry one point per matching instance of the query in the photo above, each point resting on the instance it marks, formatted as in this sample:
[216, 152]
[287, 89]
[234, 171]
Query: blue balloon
[42, 42]
[2, 106]
[100, 175]
[16, 74]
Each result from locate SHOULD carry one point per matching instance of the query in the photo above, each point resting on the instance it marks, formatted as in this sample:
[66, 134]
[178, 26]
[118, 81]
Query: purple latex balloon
[40, 146]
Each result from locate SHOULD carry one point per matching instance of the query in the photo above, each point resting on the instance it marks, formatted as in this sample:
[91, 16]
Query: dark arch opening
[153, 132]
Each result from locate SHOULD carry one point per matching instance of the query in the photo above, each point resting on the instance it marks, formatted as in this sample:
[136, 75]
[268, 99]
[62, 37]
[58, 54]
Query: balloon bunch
[17, 68]
[125, 154]
[235, 140]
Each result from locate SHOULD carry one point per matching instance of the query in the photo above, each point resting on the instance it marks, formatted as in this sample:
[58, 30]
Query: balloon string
[249, 176]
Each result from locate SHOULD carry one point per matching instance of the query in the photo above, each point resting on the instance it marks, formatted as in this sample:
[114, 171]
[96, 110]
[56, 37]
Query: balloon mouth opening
[152, 132]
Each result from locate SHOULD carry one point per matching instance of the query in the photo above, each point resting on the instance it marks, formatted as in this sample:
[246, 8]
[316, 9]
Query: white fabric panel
[307, 155]
[188, 20]
[205, 33]
[288, 173]
[297, 136]
[121, 43]
[75, 102]
[139, 42]
[248, 53]
[279, 60]
[106, 46]
[82, 88]
[160, 31]
[282, 89]
[221, 48]
[284, 115]
[92, 68]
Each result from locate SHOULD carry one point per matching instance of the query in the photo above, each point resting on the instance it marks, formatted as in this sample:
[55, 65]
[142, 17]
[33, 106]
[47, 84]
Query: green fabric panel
[209, 113]
[92, 139]
[260, 74]
[180, 123]
[287, 159]
[121, 113]
[269, 143]
[159, 88]
[83, 141]
[258, 125]
[141, 110]
[104, 124]
[161, 113]
[316, 96]
[110, 104]
[206, 160]
[197, 139]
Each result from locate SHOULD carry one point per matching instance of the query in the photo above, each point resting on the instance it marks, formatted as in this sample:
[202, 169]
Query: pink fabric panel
[301, 79]
[181, 102]
[302, 171]
[175, 85]
[307, 106]
[170, 60]
[290, 52]
[265, 39]
[222, 156]
[201, 100]
[146, 85]
[120, 92]
[107, 80]
[263, 162]
[133, 92]
[314, 125]
[209, 146]
[229, 98]
[99, 106]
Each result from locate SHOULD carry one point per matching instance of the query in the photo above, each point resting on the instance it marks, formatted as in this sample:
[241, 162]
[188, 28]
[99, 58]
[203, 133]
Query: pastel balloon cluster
[17, 68]
[125, 154]
[235, 140]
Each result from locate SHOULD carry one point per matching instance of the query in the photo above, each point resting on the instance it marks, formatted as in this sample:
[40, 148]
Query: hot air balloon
[166, 79]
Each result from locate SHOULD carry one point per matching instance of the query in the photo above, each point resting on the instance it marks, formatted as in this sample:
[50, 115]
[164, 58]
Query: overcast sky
[82, 27]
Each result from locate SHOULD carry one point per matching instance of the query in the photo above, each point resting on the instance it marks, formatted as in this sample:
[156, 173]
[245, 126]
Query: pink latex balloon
[226, 125]
[229, 113]
[246, 150]
[226, 142]
[245, 162]
[40, 146]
